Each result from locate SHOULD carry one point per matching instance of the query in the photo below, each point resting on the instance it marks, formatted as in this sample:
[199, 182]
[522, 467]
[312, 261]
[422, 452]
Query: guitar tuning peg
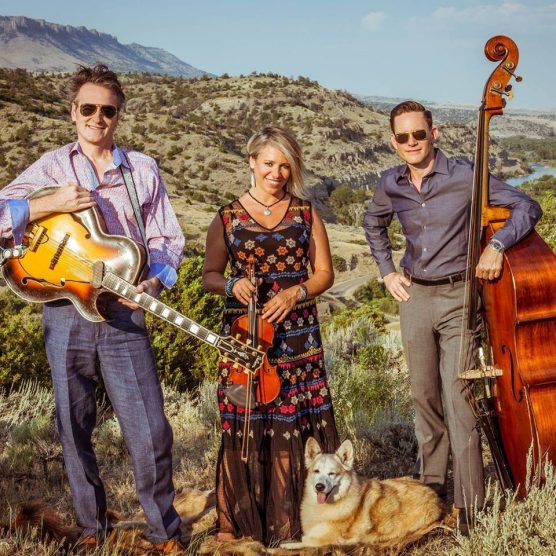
[508, 88]
[518, 78]
[510, 95]
[235, 365]
[259, 347]
[248, 342]
[225, 359]
[504, 103]
[238, 336]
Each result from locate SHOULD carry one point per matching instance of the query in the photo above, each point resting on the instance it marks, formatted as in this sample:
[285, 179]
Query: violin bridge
[489, 371]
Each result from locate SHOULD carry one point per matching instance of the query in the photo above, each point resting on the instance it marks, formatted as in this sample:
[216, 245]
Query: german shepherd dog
[341, 508]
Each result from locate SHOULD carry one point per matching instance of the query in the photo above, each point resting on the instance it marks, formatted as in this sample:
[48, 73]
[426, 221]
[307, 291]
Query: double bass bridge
[488, 371]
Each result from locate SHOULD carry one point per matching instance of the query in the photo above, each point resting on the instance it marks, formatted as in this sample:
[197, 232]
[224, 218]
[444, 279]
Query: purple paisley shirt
[69, 164]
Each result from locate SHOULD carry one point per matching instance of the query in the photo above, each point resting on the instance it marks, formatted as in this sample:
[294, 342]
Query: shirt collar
[117, 153]
[440, 166]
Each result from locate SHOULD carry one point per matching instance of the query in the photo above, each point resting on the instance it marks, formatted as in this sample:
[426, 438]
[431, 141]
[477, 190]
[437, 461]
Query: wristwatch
[301, 293]
[497, 245]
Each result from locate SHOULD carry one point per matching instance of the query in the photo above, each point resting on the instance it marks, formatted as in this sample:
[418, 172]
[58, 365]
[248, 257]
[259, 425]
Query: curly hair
[99, 74]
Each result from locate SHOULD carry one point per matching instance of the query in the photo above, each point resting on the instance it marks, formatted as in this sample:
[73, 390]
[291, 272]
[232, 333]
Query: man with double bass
[431, 196]
[90, 172]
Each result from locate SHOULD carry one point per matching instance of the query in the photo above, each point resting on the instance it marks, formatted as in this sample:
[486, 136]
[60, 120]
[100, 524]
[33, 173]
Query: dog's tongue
[321, 497]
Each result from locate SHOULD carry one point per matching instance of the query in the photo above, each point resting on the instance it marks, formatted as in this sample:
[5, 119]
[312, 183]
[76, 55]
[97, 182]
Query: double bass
[519, 308]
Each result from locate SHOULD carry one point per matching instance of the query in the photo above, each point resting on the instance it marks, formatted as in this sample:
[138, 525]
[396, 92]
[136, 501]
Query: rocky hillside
[38, 45]
[198, 129]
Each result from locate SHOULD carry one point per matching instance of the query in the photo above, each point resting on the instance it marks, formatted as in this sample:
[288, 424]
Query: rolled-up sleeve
[164, 235]
[378, 217]
[525, 212]
[14, 207]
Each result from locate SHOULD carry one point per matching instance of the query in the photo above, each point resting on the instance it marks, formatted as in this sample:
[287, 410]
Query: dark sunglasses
[419, 135]
[106, 110]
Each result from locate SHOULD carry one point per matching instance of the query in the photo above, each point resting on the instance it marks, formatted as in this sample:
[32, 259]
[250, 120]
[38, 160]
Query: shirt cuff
[19, 212]
[165, 273]
[386, 268]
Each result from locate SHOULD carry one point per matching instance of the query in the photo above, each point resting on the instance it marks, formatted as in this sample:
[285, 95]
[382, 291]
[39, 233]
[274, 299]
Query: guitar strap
[130, 184]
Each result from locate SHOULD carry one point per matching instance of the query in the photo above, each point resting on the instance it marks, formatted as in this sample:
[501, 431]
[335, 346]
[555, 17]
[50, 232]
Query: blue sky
[405, 48]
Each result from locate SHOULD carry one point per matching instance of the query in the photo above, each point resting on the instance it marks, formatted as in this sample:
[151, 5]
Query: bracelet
[302, 293]
[230, 285]
[497, 245]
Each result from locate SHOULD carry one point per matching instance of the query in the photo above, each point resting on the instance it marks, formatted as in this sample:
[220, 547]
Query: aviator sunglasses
[419, 135]
[106, 110]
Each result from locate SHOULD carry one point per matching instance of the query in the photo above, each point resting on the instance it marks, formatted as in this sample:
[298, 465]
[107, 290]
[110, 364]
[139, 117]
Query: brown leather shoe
[86, 545]
[172, 546]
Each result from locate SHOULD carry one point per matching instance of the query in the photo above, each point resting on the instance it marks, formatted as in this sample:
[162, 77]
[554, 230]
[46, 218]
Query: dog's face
[328, 475]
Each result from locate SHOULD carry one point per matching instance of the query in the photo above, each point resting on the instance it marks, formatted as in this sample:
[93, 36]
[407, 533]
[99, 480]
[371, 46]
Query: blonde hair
[287, 144]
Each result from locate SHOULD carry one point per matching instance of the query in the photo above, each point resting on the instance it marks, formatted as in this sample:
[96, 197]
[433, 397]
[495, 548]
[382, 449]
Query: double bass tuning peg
[518, 78]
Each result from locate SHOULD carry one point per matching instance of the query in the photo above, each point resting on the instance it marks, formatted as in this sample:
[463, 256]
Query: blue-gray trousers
[431, 327]
[121, 345]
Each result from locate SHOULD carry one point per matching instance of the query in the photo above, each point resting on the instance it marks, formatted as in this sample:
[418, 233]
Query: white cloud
[505, 13]
[373, 20]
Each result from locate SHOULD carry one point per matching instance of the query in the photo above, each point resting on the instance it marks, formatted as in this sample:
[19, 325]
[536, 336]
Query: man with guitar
[93, 171]
[431, 196]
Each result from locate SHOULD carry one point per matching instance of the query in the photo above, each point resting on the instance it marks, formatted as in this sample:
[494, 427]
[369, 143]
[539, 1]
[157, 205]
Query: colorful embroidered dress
[262, 498]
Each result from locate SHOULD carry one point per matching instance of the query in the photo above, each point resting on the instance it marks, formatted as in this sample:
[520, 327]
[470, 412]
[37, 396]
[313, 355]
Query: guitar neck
[152, 305]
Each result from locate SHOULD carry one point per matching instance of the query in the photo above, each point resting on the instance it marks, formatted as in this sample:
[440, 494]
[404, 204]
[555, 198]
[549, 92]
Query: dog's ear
[345, 453]
[312, 450]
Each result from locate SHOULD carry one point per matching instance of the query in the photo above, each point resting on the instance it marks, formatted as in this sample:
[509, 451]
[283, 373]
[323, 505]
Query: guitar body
[71, 256]
[60, 252]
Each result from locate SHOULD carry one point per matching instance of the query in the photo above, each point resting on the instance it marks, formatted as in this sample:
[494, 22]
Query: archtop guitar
[71, 256]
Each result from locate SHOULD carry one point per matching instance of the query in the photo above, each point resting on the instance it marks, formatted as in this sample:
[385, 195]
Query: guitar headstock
[246, 356]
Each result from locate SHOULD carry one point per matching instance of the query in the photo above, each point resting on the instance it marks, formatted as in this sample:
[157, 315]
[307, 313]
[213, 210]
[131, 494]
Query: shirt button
[424, 227]
[424, 270]
[422, 204]
[424, 249]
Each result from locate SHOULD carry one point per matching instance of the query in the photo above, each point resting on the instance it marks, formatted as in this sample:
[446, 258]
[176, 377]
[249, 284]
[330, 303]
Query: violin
[262, 385]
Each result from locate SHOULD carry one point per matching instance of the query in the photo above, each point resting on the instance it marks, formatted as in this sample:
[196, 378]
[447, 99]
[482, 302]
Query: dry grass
[381, 430]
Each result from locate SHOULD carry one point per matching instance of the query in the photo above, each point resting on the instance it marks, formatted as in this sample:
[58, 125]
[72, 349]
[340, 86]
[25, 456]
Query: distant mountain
[38, 45]
[529, 123]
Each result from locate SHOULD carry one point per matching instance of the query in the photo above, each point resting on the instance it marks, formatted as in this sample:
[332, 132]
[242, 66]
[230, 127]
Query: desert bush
[348, 204]
[375, 294]
[183, 361]
[525, 526]
[22, 353]
[339, 263]
[366, 369]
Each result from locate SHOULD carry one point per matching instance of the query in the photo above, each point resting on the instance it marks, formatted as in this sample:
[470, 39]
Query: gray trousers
[431, 326]
[121, 345]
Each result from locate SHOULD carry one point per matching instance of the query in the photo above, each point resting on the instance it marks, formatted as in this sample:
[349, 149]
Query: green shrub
[339, 263]
[22, 353]
[184, 361]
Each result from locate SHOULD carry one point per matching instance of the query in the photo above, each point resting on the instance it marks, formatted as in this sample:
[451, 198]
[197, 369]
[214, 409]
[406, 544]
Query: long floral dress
[261, 498]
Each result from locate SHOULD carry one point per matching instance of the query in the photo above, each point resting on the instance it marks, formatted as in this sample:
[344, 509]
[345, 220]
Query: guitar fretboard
[246, 356]
[149, 303]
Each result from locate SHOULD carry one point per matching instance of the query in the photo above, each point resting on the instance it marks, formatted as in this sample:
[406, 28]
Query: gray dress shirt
[435, 220]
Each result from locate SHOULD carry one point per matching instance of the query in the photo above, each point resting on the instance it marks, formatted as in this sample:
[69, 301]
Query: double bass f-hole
[518, 398]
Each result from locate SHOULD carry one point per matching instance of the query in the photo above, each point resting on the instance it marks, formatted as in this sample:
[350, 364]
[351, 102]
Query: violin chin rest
[237, 394]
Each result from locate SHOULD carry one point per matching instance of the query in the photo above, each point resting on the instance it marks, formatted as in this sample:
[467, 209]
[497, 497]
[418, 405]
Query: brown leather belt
[453, 278]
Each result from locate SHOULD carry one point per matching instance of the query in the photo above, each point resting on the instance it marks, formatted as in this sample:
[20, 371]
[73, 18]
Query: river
[538, 171]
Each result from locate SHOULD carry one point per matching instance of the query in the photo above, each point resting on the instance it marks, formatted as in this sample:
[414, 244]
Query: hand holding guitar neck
[151, 286]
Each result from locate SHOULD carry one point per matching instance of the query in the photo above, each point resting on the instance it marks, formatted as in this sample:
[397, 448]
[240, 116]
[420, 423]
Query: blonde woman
[261, 498]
